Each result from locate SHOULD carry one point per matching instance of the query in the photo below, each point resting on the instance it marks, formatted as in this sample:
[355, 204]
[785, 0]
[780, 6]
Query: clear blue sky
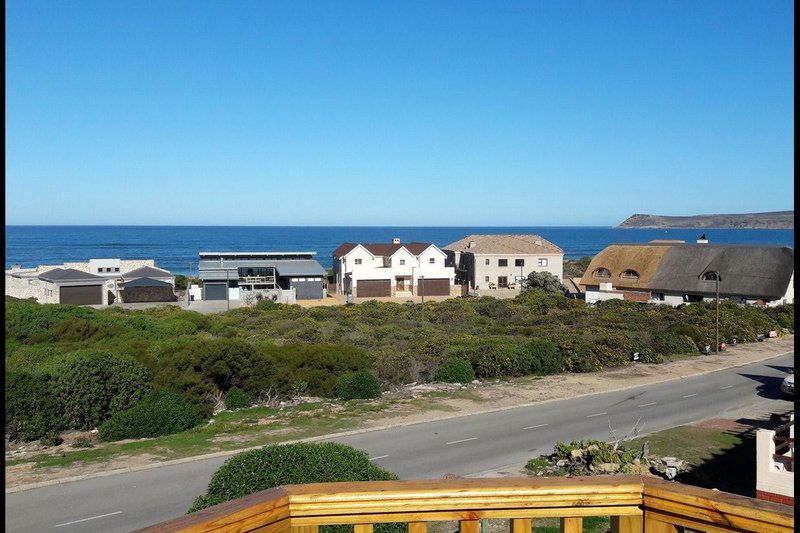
[396, 113]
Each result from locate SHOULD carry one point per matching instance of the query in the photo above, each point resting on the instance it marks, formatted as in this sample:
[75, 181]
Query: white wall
[555, 266]
[772, 476]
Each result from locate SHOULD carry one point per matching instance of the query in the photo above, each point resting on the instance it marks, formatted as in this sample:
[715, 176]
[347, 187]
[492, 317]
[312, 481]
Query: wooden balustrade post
[657, 526]
[362, 528]
[627, 524]
[417, 527]
[469, 526]
[521, 525]
[572, 525]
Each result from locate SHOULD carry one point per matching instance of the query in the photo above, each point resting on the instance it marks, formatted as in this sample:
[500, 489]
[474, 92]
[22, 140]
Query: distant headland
[771, 220]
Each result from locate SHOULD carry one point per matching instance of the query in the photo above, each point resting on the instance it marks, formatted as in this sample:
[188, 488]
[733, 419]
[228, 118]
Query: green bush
[92, 386]
[674, 343]
[160, 413]
[455, 370]
[545, 357]
[237, 399]
[52, 438]
[29, 357]
[288, 464]
[503, 357]
[360, 384]
[32, 409]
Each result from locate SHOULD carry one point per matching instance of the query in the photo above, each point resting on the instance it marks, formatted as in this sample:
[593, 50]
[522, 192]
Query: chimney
[396, 240]
[702, 239]
[471, 244]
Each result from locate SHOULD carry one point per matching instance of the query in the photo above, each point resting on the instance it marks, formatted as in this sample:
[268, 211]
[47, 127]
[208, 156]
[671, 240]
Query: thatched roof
[617, 258]
[745, 270]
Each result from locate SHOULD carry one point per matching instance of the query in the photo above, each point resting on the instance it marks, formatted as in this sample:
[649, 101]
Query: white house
[396, 269]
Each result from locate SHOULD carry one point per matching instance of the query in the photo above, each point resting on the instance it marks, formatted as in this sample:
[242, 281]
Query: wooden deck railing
[635, 505]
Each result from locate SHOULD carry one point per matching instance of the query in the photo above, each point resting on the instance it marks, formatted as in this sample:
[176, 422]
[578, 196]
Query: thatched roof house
[746, 271]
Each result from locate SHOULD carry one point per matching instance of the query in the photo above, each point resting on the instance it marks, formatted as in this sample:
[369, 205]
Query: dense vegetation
[74, 367]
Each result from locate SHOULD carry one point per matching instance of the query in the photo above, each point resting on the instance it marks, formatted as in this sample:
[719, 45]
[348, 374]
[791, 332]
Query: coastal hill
[771, 220]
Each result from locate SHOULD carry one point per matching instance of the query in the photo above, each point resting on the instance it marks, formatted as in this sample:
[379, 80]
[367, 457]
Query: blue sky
[396, 113]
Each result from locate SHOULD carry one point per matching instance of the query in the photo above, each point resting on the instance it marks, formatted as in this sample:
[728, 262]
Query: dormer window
[711, 275]
[601, 273]
[629, 274]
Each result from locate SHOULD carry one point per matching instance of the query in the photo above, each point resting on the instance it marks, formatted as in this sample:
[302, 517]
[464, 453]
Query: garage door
[215, 291]
[373, 288]
[82, 295]
[434, 287]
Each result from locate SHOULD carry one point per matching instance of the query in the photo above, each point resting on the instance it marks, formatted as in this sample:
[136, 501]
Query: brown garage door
[372, 288]
[81, 295]
[434, 287]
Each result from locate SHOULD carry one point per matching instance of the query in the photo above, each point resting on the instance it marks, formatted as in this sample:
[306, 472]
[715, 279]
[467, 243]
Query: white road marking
[379, 457]
[538, 426]
[726, 387]
[596, 414]
[689, 395]
[647, 404]
[87, 519]
[459, 441]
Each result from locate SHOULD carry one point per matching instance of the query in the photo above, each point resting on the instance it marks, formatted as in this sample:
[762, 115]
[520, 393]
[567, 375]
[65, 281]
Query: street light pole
[422, 293]
[716, 346]
[227, 288]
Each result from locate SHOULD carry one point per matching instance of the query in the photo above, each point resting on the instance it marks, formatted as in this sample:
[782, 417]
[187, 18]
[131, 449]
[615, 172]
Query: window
[629, 274]
[602, 273]
[99, 270]
[402, 262]
[358, 261]
[487, 278]
[432, 260]
[519, 262]
[502, 262]
[116, 269]
[487, 262]
[543, 262]
[108, 269]
[658, 296]
[711, 275]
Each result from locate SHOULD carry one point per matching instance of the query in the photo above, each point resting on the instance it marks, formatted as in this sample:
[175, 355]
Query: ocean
[176, 247]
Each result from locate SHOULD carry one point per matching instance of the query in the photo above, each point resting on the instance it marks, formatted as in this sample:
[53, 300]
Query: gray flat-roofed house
[254, 271]
[71, 286]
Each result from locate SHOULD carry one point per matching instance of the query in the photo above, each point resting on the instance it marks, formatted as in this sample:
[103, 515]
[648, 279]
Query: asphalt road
[466, 446]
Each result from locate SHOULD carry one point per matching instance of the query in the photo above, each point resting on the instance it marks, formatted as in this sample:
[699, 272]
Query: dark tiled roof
[383, 249]
[69, 274]
[145, 282]
[147, 272]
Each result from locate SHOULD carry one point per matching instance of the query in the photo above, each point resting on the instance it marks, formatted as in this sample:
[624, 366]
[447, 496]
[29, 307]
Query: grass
[720, 459]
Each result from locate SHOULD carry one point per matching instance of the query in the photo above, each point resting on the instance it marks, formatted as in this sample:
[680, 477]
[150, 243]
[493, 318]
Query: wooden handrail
[631, 501]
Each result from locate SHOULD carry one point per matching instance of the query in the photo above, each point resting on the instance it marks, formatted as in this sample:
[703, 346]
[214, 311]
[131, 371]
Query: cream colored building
[499, 261]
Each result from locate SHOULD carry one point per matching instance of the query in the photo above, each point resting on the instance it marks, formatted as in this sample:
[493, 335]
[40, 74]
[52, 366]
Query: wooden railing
[635, 505]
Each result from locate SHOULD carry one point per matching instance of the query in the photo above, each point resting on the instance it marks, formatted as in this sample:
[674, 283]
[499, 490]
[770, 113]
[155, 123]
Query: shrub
[545, 357]
[237, 399]
[544, 281]
[288, 464]
[92, 386]
[360, 384]
[83, 442]
[674, 343]
[32, 409]
[503, 357]
[455, 370]
[52, 438]
[160, 413]
[26, 358]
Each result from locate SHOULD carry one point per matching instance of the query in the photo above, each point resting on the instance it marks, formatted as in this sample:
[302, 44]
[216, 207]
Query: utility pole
[422, 293]
[188, 286]
[227, 288]
[716, 346]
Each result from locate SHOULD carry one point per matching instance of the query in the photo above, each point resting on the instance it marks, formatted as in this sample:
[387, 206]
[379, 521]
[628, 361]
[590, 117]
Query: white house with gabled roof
[369, 270]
